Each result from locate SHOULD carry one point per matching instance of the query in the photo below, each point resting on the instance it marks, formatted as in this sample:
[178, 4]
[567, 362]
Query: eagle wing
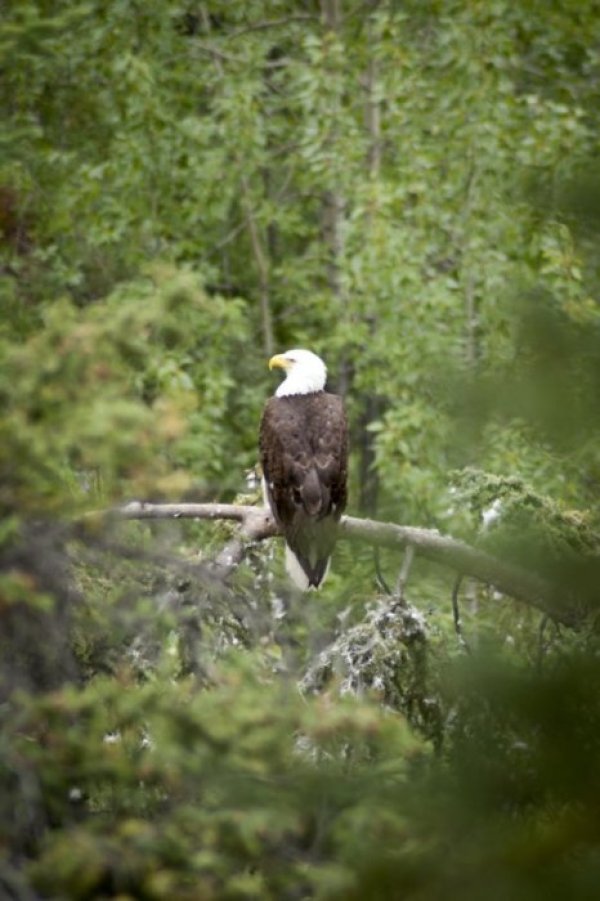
[304, 455]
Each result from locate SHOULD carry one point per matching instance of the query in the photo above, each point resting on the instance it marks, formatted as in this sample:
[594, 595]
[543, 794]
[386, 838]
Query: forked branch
[256, 524]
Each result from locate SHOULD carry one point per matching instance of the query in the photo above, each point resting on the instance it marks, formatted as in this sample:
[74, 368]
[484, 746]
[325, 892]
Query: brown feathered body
[304, 455]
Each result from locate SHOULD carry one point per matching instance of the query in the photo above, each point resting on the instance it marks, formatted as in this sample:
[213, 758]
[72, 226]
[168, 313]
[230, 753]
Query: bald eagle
[304, 454]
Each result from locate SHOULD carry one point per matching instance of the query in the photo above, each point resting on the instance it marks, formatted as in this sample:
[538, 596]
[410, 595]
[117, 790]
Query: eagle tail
[304, 574]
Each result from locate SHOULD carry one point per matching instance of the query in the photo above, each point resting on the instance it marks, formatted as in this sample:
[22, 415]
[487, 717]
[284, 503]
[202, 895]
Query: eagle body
[304, 456]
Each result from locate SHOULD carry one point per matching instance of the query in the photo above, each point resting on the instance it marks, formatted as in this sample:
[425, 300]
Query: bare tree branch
[254, 519]
[256, 524]
[402, 579]
[508, 578]
[457, 617]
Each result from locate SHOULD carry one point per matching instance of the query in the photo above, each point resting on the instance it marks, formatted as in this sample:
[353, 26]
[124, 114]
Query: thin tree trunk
[334, 208]
[262, 266]
[468, 276]
[260, 256]
[371, 404]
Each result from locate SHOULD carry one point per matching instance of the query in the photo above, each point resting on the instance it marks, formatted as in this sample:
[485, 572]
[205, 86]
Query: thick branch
[248, 516]
[507, 578]
[257, 524]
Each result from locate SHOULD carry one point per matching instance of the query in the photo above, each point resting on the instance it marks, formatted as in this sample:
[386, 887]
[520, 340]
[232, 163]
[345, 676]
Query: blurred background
[411, 190]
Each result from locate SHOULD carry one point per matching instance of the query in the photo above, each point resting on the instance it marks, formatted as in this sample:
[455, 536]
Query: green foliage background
[411, 190]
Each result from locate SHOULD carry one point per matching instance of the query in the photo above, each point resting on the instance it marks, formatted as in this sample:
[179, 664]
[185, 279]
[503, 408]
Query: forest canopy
[411, 191]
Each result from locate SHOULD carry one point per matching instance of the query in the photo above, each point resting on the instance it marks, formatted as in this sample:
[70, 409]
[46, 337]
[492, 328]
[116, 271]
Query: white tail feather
[265, 494]
[297, 574]
[294, 570]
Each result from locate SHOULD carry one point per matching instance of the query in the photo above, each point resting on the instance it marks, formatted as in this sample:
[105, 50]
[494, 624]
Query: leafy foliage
[411, 190]
[139, 368]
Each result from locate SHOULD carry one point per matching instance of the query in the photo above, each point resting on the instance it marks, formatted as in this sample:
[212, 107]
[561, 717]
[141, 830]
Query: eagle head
[305, 372]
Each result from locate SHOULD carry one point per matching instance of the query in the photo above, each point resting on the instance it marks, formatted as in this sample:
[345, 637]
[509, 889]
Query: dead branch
[508, 578]
[256, 524]
[402, 579]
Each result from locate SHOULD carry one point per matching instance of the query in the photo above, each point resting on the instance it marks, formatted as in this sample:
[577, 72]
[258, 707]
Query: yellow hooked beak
[279, 362]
